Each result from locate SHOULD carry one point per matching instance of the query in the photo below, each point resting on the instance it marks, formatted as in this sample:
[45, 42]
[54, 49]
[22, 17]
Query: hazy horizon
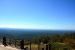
[36, 29]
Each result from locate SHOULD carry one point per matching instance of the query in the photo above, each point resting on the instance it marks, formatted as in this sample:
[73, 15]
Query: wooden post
[42, 48]
[46, 46]
[4, 41]
[50, 46]
[22, 44]
[38, 46]
[30, 44]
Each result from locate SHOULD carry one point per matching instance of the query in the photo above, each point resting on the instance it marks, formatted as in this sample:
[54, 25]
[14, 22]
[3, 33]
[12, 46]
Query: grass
[56, 46]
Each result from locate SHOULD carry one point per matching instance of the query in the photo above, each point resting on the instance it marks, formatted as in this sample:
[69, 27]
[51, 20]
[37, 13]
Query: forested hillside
[39, 39]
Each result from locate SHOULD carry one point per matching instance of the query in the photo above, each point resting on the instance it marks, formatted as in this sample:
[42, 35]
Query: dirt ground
[7, 48]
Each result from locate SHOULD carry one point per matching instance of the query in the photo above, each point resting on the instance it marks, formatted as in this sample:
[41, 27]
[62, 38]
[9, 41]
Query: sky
[38, 14]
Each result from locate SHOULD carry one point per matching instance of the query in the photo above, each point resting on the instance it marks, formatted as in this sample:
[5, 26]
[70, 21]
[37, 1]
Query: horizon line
[35, 28]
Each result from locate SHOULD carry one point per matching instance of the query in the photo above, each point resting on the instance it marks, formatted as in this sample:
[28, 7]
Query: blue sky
[38, 14]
